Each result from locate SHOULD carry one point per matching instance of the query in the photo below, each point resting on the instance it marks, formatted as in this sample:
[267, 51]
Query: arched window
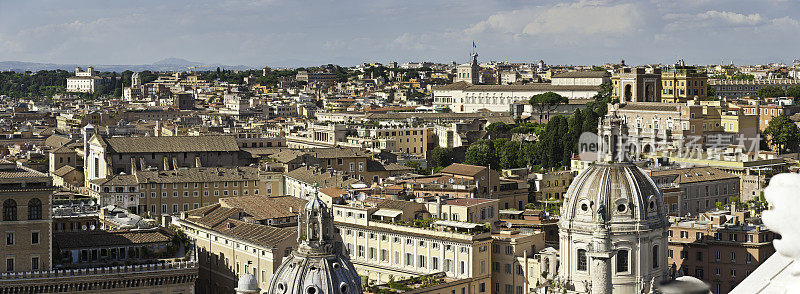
[655, 256]
[35, 209]
[622, 261]
[581, 259]
[10, 210]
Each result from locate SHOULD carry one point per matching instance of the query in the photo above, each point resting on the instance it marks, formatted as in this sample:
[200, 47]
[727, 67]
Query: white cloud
[572, 21]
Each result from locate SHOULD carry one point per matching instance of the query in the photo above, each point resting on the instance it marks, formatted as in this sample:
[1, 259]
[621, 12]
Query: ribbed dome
[329, 274]
[247, 283]
[613, 193]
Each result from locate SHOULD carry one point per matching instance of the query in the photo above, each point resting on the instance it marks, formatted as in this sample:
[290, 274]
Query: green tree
[547, 102]
[710, 91]
[441, 157]
[771, 92]
[793, 91]
[783, 134]
[481, 153]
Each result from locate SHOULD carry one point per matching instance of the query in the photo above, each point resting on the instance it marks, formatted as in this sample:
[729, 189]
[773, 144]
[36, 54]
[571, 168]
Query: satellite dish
[508, 225]
[83, 227]
[91, 227]
[91, 202]
[362, 196]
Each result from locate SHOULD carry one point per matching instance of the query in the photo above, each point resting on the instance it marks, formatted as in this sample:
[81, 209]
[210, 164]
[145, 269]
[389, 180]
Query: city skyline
[293, 34]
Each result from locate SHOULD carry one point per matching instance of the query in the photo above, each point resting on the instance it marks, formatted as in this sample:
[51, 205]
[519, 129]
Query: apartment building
[173, 191]
[475, 210]
[26, 196]
[683, 83]
[115, 155]
[303, 181]
[382, 246]
[720, 248]
[551, 184]
[236, 236]
[512, 261]
[767, 111]
[699, 188]
[732, 89]
[653, 125]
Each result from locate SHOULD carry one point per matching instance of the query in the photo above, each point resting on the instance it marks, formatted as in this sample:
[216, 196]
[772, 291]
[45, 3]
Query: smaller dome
[316, 204]
[247, 283]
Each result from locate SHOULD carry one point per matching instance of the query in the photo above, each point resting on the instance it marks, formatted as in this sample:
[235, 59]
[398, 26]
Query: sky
[291, 33]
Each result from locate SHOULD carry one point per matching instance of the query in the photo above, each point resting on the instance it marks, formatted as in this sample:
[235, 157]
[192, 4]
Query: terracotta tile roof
[260, 234]
[262, 208]
[583, 74]
[467, 201]
[63, 171]
[463, 169]
[172, 144]
[694, 175]
[100, 238]
[401, 205]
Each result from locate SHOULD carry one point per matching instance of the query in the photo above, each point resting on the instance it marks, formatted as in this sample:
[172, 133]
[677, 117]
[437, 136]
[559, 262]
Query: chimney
[439, 206]
[133, 165]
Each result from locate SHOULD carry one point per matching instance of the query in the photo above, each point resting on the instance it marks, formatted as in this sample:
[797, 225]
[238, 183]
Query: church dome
[613, 193]
[317, 265]
[247, 284]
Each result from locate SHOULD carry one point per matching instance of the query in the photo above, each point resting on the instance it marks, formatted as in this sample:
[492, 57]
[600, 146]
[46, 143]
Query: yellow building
[236, 237]
[683, 83]
[382, 247]
[174, 191]
[512, 254]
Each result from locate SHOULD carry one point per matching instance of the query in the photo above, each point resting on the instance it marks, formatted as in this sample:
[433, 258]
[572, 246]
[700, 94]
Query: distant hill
[167, 64]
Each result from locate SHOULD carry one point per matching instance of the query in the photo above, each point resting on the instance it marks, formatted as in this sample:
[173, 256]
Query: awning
[387, 213]
[456, 224]
[509, 211]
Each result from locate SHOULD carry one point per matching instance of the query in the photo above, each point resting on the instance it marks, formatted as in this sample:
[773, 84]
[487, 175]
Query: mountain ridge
[166, 64]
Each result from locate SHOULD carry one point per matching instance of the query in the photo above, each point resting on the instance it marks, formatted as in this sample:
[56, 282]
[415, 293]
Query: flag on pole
[473, 45]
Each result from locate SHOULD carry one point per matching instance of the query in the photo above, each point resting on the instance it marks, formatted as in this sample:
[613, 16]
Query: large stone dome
[613, 231]
[613, 193]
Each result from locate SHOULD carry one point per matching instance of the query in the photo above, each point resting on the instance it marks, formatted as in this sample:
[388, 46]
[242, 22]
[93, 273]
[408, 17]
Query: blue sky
[301, 33]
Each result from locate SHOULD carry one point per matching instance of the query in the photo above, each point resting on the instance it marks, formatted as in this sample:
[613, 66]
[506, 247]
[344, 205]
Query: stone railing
[99, 271]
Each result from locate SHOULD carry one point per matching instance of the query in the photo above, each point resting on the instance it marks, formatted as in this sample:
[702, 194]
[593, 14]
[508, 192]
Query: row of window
[734, 237]
[622, 260]
[10, 209]
[10, 264]
[684, 254]
[10, 240]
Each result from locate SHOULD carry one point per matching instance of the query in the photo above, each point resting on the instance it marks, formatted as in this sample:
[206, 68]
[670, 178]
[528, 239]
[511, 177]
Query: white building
[463, 97]
[83, 81]
[581, 78]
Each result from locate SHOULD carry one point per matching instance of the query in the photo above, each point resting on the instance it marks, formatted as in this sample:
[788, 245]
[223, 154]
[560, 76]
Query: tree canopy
[771, 92]
[793, 91]
[547, 102]
[783, 134]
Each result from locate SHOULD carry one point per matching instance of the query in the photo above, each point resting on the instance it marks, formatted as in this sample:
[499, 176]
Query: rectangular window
[409, 259]
[9, 238]
[34, 238]
[9, 264]
[35, 263]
